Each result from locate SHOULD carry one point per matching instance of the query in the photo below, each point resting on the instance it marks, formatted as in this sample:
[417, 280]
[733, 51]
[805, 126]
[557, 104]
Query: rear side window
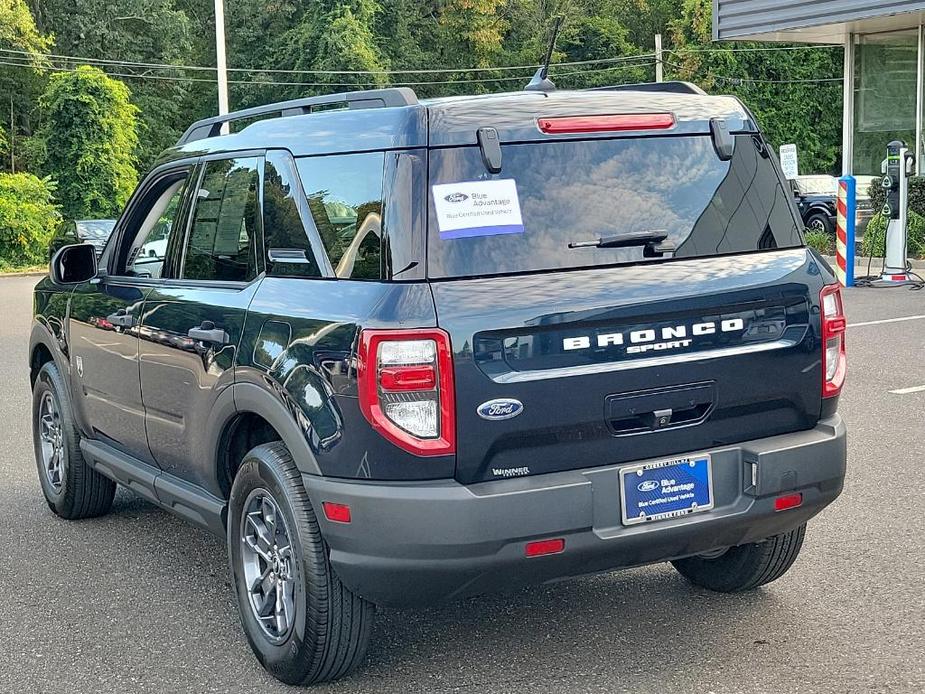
[345, 197]
[289, 252]
[222, 243]
[582, 191]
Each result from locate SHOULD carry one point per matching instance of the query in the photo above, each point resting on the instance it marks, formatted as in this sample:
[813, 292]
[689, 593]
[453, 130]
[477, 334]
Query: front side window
[159, 223]
[222, 243]
[345, 197]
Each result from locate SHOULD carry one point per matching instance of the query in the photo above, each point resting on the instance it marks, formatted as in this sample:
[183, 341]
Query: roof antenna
[540, 81]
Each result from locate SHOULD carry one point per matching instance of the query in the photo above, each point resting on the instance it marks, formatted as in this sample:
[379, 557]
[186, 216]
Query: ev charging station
[898, 166]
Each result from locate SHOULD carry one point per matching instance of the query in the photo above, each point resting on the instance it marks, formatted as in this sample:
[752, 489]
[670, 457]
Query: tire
[325, 628]
[745, 567]
[819, 221]
[72, 488]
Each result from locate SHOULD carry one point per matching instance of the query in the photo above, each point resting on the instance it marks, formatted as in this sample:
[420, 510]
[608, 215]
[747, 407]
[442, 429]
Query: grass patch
[820, 241]
[7, 268]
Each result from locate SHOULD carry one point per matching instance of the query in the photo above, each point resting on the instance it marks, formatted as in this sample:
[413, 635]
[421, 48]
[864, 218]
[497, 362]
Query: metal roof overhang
[828, 32]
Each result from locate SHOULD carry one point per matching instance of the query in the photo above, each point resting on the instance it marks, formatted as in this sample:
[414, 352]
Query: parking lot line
[885, 320]
[906, 391]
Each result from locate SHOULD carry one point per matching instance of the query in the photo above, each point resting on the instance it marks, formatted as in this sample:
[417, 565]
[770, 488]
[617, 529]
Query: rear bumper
[419, 543]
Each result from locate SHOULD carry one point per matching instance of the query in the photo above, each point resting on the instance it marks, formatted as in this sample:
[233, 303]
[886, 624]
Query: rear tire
[302, 623]
[72, 488]
[744, 567]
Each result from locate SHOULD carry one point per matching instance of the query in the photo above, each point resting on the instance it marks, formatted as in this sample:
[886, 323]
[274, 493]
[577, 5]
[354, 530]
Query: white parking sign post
[789, 162]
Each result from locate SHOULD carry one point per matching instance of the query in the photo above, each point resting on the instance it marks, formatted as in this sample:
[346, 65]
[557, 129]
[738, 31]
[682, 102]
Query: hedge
[874, 243]
[28, 218]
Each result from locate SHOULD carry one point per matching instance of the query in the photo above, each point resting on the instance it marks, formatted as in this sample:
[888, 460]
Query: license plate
[666, 489]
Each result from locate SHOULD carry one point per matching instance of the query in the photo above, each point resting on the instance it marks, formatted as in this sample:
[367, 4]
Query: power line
[751, 80]
[178, 78]
[422, 71]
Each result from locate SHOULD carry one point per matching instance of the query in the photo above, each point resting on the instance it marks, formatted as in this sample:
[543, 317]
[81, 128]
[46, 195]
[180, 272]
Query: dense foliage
[874, 242]
[88, 138]
[28, 218]
[290, 48]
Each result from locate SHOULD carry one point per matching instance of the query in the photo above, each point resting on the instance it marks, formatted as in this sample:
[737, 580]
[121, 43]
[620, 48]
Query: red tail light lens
[560, 125]
[405, 381]
[834, 357]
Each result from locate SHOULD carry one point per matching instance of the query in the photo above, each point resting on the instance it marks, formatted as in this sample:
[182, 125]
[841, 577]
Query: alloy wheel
[266, 553]
[51, 433]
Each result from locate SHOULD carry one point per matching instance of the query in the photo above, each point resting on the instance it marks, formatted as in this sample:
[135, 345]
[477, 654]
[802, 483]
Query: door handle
[207, 332]
[121, 318]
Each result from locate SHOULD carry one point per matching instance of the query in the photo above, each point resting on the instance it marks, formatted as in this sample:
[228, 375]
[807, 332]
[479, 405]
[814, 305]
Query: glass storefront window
[885, 96]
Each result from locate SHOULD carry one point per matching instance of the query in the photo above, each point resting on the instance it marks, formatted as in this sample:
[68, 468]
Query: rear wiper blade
[634, 238]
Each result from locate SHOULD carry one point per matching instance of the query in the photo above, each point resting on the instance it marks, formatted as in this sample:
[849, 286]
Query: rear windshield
[551, 194]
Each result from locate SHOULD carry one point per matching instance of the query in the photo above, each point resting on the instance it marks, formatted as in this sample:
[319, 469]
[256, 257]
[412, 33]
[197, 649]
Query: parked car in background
[815, 196]
[92, 231]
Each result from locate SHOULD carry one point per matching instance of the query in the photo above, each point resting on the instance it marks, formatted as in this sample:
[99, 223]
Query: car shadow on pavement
[626, 621]
[617, 626]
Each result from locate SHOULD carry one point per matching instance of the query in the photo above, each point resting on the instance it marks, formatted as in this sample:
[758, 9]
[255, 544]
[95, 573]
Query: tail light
[406, 388]
[560, 125]
[834, 358]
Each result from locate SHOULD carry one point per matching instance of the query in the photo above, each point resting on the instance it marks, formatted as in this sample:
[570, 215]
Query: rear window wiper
[634, 238]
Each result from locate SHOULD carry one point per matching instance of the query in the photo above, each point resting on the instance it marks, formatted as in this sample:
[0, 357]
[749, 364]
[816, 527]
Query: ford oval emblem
[456, 197]
[647, 486]
[500, 408]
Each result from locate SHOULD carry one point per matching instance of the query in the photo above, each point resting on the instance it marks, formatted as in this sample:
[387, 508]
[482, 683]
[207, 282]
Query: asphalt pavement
[139, 601]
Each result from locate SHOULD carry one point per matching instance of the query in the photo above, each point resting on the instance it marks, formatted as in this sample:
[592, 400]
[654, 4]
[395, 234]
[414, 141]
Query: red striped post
[844, 230]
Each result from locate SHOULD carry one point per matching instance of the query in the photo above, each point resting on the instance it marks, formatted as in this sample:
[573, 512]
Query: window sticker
[477, 208]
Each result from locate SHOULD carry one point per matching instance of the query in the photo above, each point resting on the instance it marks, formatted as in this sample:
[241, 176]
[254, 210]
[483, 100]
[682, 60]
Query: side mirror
[73, 264]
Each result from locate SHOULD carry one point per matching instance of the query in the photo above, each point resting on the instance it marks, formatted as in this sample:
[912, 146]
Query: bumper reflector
[782, 503]
[339, 513]
[543, 547]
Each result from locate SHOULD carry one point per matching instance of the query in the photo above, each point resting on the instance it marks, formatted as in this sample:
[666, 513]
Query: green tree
[146, 31]
[470, 32]
[28, 217]
[89, 138]
[782, 88]
[19, 85]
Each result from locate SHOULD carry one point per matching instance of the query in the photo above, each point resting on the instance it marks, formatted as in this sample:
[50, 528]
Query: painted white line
[906, 391]
[885, 320]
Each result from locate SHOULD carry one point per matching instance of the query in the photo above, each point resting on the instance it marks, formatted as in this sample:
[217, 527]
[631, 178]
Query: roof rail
[371, 98]
[676, 87]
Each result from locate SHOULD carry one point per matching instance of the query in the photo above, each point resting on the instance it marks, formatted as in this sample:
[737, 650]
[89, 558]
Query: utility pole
[659, 76]
[12, 137]
[220, 64]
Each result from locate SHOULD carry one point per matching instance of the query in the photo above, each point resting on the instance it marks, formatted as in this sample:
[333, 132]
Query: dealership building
[884, 56]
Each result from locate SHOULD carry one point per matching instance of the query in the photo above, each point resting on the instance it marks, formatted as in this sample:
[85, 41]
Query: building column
[919, 95]
[847, 136]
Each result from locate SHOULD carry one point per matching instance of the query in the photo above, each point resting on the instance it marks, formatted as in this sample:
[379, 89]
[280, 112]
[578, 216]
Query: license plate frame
[698, 474]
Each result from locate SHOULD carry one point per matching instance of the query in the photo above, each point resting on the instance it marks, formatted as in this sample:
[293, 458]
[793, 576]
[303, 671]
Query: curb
[875, 263]
[30, 273]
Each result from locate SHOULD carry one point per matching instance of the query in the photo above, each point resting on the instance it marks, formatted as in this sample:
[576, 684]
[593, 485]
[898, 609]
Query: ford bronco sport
[401, 351]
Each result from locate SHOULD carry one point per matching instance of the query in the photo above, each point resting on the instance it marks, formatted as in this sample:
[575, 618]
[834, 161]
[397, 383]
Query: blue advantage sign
[667, 489]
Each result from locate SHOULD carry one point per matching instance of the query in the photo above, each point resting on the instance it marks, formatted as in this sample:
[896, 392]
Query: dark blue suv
[401, 351]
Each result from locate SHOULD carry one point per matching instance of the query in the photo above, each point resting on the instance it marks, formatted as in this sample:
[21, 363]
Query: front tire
[302, 623]
[72, 488]
[744, 567]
